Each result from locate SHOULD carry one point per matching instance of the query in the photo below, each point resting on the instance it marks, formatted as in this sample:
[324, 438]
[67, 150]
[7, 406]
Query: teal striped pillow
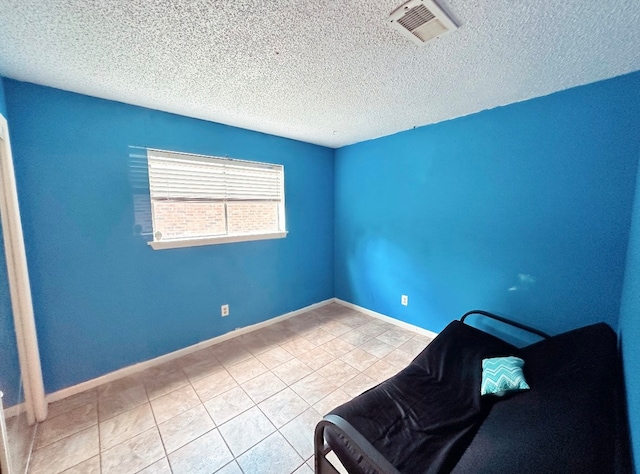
[501, 375]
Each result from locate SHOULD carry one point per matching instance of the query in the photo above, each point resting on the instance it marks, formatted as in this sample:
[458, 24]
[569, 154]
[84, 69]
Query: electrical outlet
[224, 310]
[404, 300]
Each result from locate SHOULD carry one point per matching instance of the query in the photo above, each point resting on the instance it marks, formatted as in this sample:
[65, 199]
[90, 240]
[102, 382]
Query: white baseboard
[133, 369]
[388, 319]
[14, 410]
[4, 442]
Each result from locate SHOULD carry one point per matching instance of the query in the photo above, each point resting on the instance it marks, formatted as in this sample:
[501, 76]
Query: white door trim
[19, 286]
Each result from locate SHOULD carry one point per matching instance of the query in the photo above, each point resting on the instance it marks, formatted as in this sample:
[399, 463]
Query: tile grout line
[303, 331]
[99, 437]
[38, 429]
[157, 426]
[215, 426]
[256, 405]
[32, 448]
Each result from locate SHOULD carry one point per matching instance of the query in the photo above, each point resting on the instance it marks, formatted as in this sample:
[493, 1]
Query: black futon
[431, 418]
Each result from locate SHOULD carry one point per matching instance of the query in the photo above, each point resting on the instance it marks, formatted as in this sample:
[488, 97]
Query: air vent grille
[416, 17]
[421, 21]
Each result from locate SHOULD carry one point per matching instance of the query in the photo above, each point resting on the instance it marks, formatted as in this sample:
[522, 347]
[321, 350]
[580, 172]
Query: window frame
[182, 242]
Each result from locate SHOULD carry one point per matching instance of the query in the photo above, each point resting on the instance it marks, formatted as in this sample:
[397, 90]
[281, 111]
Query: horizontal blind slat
[159, 192]
[187, 164]
[155, 193]
[185, 187]
[213, 179]
[213, 174]
[184, 158]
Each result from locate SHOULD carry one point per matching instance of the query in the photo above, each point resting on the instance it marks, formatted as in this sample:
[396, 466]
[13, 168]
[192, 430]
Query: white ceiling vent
[421, 21]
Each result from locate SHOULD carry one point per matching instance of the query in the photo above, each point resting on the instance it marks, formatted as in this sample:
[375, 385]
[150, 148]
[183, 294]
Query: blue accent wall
[3, 104]
[629, 328]
[103, 299]
[9, 365]
[522, 210]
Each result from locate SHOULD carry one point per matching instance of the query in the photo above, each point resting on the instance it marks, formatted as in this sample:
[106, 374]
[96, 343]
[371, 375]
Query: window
[201, 200]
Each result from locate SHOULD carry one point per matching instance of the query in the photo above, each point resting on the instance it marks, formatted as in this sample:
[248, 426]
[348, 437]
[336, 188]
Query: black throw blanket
[422, 419]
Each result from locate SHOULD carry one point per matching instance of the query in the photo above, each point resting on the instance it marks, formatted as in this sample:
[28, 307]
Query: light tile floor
[247, 405]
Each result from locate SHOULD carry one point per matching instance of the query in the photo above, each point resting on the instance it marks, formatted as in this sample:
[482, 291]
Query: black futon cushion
[566, 422]
[422, 419]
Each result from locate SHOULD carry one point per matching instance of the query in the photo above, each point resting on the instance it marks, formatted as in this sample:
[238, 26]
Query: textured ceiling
[325, 72]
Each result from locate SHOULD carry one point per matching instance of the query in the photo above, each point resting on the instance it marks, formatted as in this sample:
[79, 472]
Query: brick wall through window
[177, 219]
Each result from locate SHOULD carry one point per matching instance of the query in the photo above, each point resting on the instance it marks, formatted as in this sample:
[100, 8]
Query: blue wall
[522, 210]
[630, 328]
[3, 104]
[9, 366]
[103, 299]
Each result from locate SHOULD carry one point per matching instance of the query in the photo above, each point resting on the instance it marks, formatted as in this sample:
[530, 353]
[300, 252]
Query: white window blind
[189, 177]
[197, 198]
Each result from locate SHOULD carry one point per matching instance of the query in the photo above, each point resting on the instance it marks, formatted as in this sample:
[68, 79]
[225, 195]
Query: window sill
[195, 242]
